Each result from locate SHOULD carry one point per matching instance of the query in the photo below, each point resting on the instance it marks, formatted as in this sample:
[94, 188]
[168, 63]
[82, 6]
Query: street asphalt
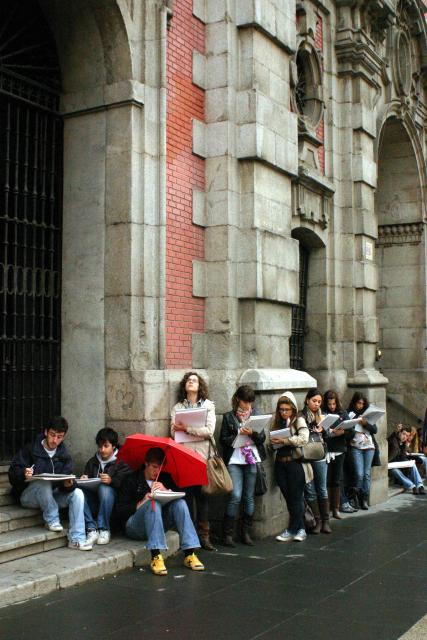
[366, 580]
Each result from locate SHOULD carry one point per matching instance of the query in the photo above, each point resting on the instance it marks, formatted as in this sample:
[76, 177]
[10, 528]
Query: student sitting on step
[100, 500]
[147, 519]
[48, 454]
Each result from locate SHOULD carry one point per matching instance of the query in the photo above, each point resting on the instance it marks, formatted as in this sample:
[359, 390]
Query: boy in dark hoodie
[48, 454]
[103, 465]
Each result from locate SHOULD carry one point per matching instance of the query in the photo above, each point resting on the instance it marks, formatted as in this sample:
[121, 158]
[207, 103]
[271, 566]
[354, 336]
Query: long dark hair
[358, 395]
[202, 393]
[330, 394]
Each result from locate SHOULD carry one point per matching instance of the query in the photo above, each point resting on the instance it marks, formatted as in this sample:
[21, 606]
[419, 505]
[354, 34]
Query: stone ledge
[41, 574]
[277, 379]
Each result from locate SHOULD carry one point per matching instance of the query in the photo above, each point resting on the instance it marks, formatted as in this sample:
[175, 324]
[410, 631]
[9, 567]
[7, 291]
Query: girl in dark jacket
[362, 449]
[241, 463]
[336, 440]
[316, 491]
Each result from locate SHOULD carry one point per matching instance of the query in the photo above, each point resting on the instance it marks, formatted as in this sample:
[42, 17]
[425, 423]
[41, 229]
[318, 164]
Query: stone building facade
[243, 193]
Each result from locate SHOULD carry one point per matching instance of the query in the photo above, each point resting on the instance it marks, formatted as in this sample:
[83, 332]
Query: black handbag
[261, 485]
[376, 460]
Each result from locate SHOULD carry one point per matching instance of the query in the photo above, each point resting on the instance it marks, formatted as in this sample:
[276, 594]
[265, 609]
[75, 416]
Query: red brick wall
[185, 171]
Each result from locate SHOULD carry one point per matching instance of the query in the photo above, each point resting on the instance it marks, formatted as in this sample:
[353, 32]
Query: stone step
[13, 517]
[43, 573]
[4, 468]
[5, 495]
[27, 542]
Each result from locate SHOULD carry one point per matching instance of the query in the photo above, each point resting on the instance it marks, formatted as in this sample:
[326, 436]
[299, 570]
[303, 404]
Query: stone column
[359, 87]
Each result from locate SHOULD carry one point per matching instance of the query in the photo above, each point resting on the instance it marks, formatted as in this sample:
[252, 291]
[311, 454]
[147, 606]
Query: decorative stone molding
[313, 197]
[306, 82]
[389, 234]
[402, 62]
[376, 17]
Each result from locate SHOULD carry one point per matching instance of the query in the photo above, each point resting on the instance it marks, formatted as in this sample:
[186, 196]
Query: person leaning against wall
[291, 475]
[241, 463]
[192, 394]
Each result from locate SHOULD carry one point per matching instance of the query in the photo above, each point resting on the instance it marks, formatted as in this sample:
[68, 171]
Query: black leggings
[335, 471]
[290, 477]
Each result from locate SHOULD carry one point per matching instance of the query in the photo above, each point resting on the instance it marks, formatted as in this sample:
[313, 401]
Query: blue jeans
[148, 524]
[243, 477]
[317, 489]
[414, 479]
[101, 502]
[362, 463]
[41, 495]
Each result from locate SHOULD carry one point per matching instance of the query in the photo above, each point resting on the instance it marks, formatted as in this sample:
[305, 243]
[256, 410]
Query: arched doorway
[401, 268]
[30, 224]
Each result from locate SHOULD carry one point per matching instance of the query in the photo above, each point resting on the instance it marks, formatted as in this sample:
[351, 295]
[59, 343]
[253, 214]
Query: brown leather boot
[227, 531]
[314, 506]
[335, 502]
[203, 531]
[324, 514]
[247, 521]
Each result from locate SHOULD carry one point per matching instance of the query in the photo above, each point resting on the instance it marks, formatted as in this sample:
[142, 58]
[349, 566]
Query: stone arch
[400, 256]
[92, 42]
[94, 47]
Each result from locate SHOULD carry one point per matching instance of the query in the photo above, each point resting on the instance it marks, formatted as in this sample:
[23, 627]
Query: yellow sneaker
[158, 566]
[193, 563]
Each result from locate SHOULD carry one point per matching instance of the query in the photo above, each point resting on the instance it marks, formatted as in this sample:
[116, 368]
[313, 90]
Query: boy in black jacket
[147, 519]
[103, 465]
[48, 454]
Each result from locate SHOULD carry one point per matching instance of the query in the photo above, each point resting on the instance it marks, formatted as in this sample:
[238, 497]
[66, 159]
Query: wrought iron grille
[296, 341]
[30, 234]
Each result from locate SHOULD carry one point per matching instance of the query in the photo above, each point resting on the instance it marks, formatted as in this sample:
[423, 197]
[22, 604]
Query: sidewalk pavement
[368, 580]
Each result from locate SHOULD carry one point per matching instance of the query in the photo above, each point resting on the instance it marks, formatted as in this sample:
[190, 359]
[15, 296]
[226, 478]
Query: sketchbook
[280, 433]
[327, 422]
[257, 423]
[349, 424]
[373, 414]
[89, 483]
[195, 418]
[51, 477]
[402, 464]
[167, 496]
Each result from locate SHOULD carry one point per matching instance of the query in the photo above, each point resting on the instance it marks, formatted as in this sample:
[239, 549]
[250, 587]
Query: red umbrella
[186, 467]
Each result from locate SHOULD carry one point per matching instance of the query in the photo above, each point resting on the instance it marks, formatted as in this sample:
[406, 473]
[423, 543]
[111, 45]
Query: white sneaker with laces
[92, 536]
[300, 536]
[80, 546]
[104, 536]
[286, 536]
[55, 526]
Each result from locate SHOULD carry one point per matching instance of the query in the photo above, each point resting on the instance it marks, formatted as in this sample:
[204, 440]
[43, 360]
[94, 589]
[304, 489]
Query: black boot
[335, 502]
[353, 498]
[227, 531]
[247, 521]
[363, 501]
[324, 514]
[314, 506]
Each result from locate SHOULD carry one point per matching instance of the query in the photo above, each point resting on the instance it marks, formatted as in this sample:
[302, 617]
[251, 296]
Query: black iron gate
[296, 341]
[30, 226]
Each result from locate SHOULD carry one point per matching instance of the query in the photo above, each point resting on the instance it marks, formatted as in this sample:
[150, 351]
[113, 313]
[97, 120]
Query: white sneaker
[55, 526]
[300, 536]
[104, 536]
[285, 536]
[80, 546]
[92, 536]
